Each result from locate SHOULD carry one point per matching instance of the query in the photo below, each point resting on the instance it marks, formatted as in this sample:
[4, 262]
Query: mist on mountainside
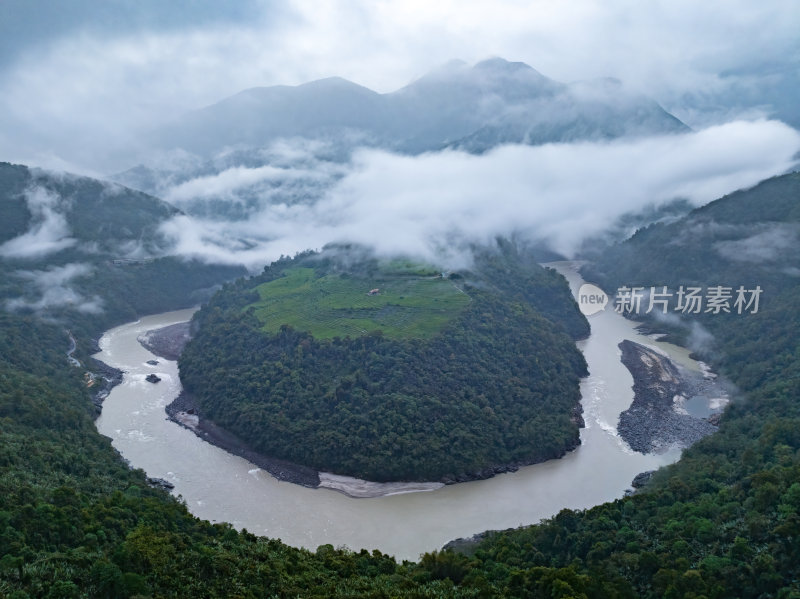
[435, 205]
[456, 157]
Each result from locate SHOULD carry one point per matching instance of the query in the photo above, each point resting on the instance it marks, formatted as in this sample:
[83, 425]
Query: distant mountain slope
[254, 117]
[302, 137]
[477, 107]
[750, 236]
[114, 219]
[591, 110]
[92, 250]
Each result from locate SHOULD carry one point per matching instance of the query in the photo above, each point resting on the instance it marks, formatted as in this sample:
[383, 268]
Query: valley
[741, 478]
[352, 299]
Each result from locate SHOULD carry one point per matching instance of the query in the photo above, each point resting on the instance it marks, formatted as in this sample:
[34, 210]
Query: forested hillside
[749, 239]
[722, 522]
[75, 521]
[391, 371]
[90, 253]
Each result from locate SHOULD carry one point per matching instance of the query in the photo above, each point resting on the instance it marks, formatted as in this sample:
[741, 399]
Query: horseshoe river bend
[221, 487]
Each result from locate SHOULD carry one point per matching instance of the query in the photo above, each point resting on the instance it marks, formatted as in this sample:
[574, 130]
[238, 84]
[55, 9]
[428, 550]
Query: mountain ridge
[434, 111]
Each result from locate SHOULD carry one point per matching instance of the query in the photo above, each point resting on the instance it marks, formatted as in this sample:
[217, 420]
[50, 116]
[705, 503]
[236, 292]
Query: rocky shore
[655, 421]
[101, 379]
[105, 379]
[167, 342]
[185, 411]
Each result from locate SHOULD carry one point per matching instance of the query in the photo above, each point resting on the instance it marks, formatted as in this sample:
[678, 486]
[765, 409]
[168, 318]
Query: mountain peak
[333, 83]
[498, 64]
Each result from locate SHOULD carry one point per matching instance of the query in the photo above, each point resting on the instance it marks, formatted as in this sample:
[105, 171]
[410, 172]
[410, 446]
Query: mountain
[326, 108]
[308, 132]
[455, 101]
[497, 102]
[589, 110]
[474, 108]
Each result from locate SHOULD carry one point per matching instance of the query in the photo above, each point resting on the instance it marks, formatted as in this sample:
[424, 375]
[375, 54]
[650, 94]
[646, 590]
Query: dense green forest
[467, 377]
[722, 522]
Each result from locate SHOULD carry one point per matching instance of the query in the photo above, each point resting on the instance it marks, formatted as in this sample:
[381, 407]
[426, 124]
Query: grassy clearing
[336, 305]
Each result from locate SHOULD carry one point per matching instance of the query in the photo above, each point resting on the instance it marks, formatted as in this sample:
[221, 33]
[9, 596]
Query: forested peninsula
[391, 370]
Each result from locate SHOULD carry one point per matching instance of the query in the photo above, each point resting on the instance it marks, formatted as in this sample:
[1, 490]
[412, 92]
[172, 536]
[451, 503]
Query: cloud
[80, 97]
[48, 233]
[699, 339]
[232, 182]
[774, 242]
[52, 286]
[436, 205]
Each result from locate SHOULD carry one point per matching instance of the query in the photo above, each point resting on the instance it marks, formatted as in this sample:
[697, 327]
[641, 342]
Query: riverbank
[167, 342]
[103, 378]
[185, 412]
[656, 419]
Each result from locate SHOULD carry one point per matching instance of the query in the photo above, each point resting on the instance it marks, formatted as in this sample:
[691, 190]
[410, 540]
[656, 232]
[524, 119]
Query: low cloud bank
[769, 243]
[53, 289]
[48, 232]
[435, 205]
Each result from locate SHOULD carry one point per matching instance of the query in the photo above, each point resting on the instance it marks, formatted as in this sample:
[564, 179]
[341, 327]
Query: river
[221, 487]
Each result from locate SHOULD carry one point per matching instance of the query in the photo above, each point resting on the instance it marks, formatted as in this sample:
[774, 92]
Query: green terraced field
[407, 306]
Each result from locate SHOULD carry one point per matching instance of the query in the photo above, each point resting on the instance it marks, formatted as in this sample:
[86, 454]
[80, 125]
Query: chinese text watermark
[716, 299]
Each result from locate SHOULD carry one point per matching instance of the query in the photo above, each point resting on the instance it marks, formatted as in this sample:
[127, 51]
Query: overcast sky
[79, 78]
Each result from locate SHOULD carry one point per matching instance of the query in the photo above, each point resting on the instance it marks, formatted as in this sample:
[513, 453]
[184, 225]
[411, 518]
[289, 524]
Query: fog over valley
[446, 154]
[337, 298]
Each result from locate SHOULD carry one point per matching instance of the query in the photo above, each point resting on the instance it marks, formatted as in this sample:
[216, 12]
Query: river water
[221, 487]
